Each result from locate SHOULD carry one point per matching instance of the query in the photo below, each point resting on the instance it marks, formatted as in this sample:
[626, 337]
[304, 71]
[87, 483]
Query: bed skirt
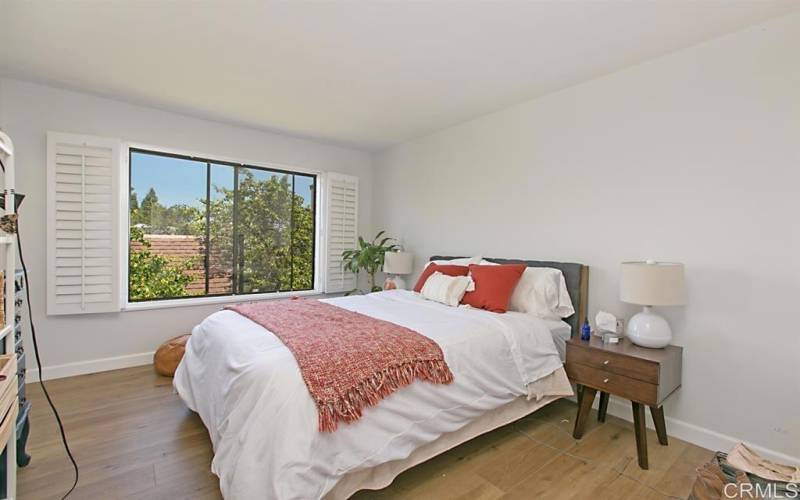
[542, 392]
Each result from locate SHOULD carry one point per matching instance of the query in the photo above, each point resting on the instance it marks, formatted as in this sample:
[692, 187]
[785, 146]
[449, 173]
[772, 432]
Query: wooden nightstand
[643, 376]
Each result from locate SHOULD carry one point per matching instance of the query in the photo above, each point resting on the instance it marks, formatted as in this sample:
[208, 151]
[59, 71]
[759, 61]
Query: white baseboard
[700, 436]
[86, 367]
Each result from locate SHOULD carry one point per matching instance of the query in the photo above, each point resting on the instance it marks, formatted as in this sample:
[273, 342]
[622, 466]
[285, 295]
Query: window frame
[125, 183]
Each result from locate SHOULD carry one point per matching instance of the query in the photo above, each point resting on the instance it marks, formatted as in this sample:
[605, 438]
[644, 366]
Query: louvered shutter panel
[342, 230]
[83, 207]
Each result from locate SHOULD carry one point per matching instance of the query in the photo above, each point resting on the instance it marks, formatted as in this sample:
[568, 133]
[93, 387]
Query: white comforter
[247, 388]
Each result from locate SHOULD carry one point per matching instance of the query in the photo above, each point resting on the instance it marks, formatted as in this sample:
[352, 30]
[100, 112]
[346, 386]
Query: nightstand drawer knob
[605, 380]
[605, 362]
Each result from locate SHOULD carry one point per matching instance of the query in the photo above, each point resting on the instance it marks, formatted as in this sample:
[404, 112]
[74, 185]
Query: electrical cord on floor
[39, 363]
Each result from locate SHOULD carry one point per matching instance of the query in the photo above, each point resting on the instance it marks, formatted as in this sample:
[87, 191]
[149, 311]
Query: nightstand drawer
[619, 364]
[612, 383]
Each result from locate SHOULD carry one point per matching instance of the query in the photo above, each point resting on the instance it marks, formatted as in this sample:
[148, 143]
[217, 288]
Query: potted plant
[369, 257]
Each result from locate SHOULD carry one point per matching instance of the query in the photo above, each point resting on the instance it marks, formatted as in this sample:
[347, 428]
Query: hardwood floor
[134, 438]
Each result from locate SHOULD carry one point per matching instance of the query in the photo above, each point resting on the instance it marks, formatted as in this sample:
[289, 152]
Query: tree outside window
[206, 228]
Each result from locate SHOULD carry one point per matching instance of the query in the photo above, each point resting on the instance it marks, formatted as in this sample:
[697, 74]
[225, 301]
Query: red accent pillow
[447, 269]
[493, 286]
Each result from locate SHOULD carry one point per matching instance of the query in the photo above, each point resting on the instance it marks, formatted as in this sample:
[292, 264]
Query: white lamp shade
[652, 283]
[398, 262]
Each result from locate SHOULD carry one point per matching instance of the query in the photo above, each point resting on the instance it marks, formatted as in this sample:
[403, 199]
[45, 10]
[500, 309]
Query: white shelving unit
[8, 248]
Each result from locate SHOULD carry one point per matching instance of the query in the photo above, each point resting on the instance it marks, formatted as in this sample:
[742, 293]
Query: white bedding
[246, 386]
[561, 331]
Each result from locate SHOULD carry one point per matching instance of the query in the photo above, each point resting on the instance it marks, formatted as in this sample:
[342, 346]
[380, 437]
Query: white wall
[692, 157]
[28, 111]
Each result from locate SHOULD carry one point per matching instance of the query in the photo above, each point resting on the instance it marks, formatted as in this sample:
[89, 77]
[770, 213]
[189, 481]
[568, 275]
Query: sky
[181, 181]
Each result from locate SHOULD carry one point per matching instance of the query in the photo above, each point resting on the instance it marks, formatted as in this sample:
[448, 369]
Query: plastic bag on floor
[745, 459]
[713, 484]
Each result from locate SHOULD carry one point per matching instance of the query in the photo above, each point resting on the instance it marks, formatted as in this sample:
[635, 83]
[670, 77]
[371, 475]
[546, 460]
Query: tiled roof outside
[184, 247]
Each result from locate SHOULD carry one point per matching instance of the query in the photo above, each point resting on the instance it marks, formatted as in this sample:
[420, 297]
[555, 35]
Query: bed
[248, 390]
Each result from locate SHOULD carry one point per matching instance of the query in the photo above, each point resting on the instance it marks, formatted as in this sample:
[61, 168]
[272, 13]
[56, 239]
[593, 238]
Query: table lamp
[394, 264]
[651, 284]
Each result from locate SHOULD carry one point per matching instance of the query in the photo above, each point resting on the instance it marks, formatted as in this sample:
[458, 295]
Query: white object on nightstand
[650, 284]
[605, 322]
[394, 264]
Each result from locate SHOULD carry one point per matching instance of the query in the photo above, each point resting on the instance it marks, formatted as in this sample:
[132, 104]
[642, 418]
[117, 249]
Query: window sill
[229, 299]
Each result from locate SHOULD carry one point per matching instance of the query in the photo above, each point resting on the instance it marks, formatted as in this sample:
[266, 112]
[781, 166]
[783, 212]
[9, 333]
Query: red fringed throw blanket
[348, 360]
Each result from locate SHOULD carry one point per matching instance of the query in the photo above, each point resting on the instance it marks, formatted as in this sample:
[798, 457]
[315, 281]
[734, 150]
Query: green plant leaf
[369, 257]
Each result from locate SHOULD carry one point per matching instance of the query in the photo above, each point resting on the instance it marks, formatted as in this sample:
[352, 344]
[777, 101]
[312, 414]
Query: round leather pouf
[169, 355]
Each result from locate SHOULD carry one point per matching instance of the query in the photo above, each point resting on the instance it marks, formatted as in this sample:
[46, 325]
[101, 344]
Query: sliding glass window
[201, 227]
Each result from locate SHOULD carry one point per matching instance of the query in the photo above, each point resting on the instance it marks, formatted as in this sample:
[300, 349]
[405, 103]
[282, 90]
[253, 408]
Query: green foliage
[180, 219]
[155, 218]
[275, 229]
[150, 209]
[274, 225]
[134, 201]
[369, 257]
[154, 276]
[135, 211]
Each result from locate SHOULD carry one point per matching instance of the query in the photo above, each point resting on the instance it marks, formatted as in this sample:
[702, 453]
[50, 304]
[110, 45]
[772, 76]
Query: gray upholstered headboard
[576, 276]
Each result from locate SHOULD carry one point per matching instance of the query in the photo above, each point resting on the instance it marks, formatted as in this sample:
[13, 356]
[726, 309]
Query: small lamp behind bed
[394, 264]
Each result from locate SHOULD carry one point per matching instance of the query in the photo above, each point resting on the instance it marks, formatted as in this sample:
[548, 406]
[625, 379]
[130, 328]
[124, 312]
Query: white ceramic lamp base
[648, 329]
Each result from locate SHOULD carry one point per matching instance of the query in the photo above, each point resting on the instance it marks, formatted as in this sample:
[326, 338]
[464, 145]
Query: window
[196, 228]
[201, 227]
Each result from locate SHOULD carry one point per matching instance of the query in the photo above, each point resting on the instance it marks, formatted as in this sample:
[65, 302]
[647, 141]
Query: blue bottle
[586, 330]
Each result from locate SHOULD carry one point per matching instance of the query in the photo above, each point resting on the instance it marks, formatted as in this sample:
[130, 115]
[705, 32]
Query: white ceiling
[362, 73]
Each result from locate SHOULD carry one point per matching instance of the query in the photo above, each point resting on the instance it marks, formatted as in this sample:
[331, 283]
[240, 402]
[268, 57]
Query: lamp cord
[39, 361]
[39, 366]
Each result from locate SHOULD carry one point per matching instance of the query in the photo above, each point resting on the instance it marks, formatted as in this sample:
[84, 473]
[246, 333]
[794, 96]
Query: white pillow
[542, 292]
[464, 261]
[445, 289]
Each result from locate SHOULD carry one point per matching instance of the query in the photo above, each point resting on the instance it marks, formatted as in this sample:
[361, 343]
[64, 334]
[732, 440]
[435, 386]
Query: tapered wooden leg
[661, 428]
[603, 408]
[641, 433]
[584, 408]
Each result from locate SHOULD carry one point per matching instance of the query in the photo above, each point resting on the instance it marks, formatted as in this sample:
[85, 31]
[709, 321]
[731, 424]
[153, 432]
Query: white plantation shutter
[342, 230]
[82, 224]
